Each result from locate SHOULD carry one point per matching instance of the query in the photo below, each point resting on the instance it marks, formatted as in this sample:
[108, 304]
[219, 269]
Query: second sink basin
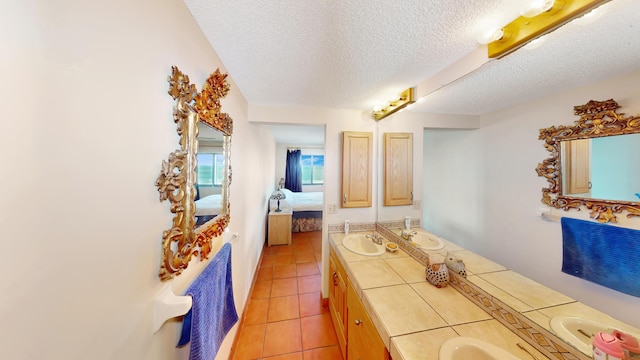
[427, 241]
[467, 348]
[423, 239]
[361, 244]
[579, 332]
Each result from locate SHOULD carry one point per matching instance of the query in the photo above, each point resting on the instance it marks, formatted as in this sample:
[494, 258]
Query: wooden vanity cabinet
[338, 299]
[357, 336]
[364, 341]
[357, 153]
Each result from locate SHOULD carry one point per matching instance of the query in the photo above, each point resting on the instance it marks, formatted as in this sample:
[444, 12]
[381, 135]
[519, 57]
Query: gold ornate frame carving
[177, 178]
[597, 119]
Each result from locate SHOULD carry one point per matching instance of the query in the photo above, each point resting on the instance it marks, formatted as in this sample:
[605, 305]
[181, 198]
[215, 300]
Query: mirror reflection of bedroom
[299, 185]
[210, 173]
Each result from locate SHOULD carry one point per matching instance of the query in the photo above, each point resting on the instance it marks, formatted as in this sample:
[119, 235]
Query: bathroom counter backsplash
[414, 317]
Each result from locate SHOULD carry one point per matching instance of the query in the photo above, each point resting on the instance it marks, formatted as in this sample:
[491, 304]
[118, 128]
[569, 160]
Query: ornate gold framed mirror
[178, 177]
[593, 163]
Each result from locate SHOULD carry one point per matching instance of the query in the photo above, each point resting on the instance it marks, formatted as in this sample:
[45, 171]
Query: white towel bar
[167, 305]
[546, 214]
[228, 236]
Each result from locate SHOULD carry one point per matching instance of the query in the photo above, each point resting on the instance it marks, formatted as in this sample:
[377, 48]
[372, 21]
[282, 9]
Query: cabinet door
[279, 228]
[357, 150]
[576, 167]
[364, 341]
[338, 301]
[398, 169]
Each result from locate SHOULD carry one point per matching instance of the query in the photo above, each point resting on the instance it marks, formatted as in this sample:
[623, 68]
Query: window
[312, 169]
[210, 169]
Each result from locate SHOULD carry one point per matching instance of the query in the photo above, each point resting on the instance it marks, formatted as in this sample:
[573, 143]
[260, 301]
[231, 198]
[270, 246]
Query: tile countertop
[413, 317]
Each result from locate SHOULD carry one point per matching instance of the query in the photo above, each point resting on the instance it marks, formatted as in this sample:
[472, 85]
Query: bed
[207, 208]
[307, 210]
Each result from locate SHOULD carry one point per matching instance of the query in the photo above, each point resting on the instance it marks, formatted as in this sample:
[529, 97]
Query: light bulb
[491, 36]
[536, 7]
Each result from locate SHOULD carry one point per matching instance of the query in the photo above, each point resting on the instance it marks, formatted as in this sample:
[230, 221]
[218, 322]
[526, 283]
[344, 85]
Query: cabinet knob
[358, 322]
[335, 278]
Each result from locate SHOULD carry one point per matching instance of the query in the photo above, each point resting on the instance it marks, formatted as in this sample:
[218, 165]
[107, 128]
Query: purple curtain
[293, 171]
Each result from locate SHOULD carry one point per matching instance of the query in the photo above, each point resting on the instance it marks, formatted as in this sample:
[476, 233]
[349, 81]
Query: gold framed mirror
[587, 165]
[178, 177]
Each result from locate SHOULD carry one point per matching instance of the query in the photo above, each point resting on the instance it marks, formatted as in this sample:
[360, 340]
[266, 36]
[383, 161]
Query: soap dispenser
[630, 345]
[607, 347]
[407, 223]
[346, 227]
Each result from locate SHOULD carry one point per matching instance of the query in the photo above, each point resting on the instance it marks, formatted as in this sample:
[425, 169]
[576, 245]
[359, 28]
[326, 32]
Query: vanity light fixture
[542, 18]
[400, 102]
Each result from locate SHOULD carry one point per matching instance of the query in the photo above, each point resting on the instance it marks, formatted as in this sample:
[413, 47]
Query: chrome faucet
[375, 238]
[408, 235]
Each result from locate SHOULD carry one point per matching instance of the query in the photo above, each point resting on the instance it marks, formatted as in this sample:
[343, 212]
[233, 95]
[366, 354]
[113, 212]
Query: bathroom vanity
[412, 318]
[350, 317]
[391, 311]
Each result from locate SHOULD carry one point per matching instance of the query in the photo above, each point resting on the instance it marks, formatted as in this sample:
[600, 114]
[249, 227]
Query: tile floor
[285, 319]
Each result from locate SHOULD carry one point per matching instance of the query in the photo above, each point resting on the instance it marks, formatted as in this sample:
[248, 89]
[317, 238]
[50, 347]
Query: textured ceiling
[354, 54]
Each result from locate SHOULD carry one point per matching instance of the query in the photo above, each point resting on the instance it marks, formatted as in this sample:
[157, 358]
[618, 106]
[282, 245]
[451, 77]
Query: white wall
[452, 184]
[85, 107]
[497, 218]
[615, 168]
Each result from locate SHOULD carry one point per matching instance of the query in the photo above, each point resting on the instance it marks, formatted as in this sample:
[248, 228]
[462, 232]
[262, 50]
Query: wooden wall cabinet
[338, 300]
[364, 341]
[576, 167]
[357, 153]
[398, 169]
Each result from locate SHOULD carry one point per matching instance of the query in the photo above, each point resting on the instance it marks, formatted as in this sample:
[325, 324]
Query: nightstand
[280, 227]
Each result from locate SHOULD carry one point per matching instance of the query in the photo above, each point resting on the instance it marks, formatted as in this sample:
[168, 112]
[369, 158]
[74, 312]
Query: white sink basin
[467, 348]
[423, 240]
[360, 244]
[427, 241]
[579, 332]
